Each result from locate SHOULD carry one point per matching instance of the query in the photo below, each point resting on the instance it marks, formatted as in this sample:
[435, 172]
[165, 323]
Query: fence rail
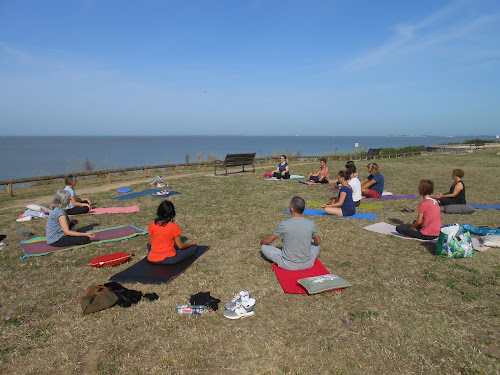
[175, 167]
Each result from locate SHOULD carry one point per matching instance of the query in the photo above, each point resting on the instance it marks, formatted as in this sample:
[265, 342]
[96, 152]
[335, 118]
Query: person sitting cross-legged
[428, 223]
[300, 240]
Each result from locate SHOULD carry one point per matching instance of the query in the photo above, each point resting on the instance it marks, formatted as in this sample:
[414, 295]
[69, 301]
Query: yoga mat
[362, 205]
[291, 177]
[357, 215]
[113, 210]
[288, 279]
[386, 228]
[39, 246]
[411, 196]
[315, 183]
[135, 195]
[485, 206]
[336, 188]
[145, 272]
[165, 195]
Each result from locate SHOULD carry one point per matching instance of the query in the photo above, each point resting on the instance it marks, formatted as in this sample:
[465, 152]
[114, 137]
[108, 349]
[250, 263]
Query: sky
[250, 67]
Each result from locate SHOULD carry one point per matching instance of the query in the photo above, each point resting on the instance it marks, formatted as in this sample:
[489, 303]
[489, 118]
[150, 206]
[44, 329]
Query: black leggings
[316, 179]
[450, 200]
[77, 210]
[279, 175]
[179, 256]
[71, 241]
[408, 231]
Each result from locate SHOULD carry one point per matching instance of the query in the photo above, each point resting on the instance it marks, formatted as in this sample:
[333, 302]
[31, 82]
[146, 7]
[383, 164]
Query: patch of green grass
[346, 263]
[7, 349]
[362, 315]
[14, 321]
[167, 362]
[41, 333]
[429, 275]
[285, 369]
[107, 368]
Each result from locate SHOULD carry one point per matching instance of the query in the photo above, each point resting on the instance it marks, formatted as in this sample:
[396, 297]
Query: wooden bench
[480, 144]
[235, 160]
[372, 152]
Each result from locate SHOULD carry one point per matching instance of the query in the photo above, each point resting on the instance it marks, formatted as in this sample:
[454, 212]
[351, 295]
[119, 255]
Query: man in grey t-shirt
[300, 240]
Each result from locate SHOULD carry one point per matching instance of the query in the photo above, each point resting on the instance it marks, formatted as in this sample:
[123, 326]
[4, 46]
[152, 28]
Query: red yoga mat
[288, 279]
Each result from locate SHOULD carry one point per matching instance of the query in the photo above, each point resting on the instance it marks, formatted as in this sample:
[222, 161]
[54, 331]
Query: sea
[24, 157]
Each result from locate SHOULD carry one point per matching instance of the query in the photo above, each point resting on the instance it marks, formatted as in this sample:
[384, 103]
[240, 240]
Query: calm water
[22, 157]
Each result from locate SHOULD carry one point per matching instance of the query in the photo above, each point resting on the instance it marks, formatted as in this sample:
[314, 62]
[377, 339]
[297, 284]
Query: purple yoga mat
[39, 245]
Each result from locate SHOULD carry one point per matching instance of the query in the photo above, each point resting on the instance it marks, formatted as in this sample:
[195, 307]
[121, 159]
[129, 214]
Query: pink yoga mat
[113, 210]
[288, 279]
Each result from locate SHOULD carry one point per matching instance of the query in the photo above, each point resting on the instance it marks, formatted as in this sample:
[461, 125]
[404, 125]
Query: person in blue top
[76, 205]
[344, 205]
[283, 170]
[373, 185]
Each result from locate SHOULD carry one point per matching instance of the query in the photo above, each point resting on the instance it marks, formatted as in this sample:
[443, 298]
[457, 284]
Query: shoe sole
[240, 316]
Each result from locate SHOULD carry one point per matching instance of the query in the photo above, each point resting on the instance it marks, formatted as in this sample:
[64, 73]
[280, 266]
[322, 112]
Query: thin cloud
[14, 52]
[421, 35]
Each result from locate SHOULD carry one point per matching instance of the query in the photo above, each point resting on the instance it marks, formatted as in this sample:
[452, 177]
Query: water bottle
[191, 309]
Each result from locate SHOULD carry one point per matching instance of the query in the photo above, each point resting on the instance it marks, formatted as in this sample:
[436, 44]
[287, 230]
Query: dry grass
[409, 311]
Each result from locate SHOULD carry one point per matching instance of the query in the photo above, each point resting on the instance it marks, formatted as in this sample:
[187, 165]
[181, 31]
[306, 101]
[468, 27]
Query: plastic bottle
[191, 309]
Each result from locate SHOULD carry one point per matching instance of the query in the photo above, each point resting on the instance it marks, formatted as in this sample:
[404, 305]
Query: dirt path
[85, 190]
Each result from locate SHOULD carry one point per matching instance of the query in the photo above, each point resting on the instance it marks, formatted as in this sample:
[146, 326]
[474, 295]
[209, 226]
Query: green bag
[97, 298]
[454, 242]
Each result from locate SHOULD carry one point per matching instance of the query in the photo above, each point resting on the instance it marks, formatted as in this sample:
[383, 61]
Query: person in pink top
[428, 223]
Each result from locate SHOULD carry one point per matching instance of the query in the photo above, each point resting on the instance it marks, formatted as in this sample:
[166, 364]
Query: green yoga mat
[370, 206]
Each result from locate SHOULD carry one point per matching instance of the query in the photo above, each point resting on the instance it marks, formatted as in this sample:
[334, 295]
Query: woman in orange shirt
[165, 245]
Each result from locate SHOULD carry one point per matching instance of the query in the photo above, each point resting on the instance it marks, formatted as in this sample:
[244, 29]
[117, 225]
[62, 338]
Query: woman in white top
[354, 183]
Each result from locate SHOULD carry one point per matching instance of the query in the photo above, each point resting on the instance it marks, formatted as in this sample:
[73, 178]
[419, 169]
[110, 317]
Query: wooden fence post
[176, 171]
[108, 178]
[9, 190]
[144, 173]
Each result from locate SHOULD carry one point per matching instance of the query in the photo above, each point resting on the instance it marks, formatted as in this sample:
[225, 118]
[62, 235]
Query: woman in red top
[428, 223]
[165, 245]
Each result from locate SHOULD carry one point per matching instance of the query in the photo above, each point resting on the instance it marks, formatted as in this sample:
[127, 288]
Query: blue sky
[334, 67]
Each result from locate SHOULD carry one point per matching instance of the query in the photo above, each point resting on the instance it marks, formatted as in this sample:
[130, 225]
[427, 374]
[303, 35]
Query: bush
[478, 140]
[401, 150]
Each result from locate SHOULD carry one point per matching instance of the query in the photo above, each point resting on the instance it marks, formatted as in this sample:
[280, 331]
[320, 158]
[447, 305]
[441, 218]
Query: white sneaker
[239, 311]
[237, 298]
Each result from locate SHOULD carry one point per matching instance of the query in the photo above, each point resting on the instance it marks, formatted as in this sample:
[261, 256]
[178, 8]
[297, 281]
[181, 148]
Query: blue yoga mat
[135, 195]
[357, 215]
[485, 206]
[165, 195]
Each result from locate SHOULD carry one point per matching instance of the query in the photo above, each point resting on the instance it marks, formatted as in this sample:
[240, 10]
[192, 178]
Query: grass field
[408, 311]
